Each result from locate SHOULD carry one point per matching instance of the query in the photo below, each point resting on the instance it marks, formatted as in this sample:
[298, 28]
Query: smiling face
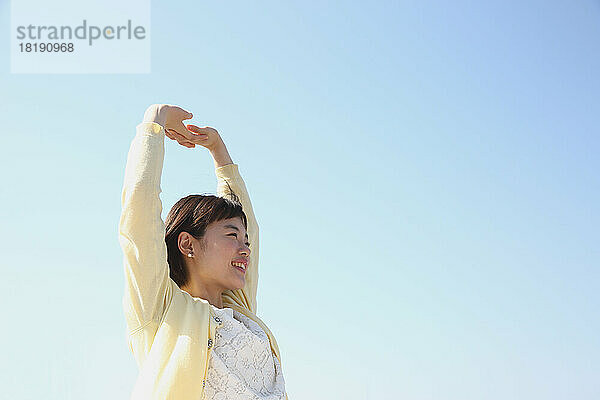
[221, 258]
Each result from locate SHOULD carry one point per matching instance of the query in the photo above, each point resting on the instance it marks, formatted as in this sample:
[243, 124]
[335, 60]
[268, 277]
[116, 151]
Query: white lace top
[242, 365]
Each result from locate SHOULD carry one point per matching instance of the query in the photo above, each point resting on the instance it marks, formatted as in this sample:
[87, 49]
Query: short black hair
[192, 214]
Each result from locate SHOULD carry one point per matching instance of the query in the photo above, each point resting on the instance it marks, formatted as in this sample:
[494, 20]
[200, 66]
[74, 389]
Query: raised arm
[228, 177]
[245, 297]
[141, 228]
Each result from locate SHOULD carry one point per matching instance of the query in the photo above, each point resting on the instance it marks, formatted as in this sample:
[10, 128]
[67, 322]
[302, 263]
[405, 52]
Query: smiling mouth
[240, 266]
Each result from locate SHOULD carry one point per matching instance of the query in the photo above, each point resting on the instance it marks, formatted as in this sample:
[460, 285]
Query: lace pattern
[242, 365]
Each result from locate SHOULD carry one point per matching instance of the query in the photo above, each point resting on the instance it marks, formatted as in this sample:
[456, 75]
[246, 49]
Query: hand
[171, 118]
[207, 137]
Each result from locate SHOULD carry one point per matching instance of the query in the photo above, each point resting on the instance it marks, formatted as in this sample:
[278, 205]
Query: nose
[245, 250]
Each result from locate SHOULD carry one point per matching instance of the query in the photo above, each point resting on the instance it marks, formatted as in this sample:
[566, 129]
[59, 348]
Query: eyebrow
[234, 227]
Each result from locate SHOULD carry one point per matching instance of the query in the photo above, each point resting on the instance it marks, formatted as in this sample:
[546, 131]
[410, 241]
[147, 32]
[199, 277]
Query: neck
[198, 290]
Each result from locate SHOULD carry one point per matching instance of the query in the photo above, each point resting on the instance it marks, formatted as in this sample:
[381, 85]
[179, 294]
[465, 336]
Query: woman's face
[225, 242]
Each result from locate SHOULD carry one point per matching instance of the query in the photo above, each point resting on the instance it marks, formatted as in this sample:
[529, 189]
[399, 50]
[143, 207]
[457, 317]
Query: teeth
[238, 264]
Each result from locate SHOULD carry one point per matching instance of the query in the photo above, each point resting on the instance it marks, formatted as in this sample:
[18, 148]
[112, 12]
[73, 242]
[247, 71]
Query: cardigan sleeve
[228, 176]
[142, 231]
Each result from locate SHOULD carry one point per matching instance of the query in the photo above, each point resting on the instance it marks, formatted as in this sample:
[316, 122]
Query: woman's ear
[185, 244]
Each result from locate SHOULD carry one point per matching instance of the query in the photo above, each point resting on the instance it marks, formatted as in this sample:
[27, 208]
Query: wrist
[220, 155]
[218, 148]
[155, 113]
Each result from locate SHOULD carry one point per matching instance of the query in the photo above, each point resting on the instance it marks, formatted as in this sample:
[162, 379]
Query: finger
[197, 129]
[180, 139]
[184, 114]
[175, 138]
[189, 145]
[169, 135]
[206, 132]
[202, 135]
[183, 139]
[172, 134]
[187, 115]
[193, 128]
[183, 131]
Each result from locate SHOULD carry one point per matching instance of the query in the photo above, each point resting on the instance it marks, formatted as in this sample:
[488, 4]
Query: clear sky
[424, 174]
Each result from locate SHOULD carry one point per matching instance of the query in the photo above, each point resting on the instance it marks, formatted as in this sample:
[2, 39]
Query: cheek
[222, 251]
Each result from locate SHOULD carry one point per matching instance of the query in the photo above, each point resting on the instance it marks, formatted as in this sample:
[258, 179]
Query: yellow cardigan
[170, 332]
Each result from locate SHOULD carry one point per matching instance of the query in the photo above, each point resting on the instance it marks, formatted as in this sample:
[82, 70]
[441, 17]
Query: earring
[190, 255]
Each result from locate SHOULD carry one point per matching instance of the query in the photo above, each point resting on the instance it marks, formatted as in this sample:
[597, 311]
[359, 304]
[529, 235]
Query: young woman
[190, 285]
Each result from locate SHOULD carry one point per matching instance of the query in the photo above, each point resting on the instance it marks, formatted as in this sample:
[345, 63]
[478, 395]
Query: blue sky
[424, 174]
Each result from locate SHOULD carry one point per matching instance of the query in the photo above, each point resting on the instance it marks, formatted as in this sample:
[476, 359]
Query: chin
[241, 285]
[237, 285]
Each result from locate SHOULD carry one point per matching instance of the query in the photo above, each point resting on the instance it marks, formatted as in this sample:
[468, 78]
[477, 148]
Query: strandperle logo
[81, 32]
[75, 37]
